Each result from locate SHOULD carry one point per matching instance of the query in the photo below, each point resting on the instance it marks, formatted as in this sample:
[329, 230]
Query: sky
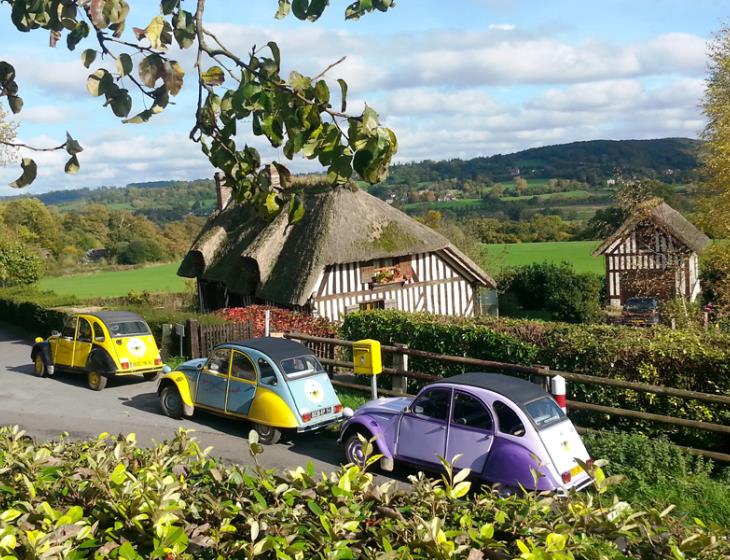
[452, 78]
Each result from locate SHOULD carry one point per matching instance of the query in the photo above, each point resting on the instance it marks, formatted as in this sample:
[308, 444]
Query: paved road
[47, 407]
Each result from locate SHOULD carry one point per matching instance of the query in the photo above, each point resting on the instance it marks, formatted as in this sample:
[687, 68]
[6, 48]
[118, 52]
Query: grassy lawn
[157, 278]
[578, 253]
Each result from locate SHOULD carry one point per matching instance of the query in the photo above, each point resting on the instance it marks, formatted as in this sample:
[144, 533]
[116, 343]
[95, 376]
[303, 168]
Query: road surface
[47, 407]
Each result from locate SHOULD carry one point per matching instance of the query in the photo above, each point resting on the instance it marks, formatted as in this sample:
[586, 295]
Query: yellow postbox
[367, 357]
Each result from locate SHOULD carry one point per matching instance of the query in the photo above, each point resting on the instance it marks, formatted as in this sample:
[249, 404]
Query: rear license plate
[321, 412]
[575, 471]
[146, 363]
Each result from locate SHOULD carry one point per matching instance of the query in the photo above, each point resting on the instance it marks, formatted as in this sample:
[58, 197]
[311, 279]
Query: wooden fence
[201, 339]
[401, 373]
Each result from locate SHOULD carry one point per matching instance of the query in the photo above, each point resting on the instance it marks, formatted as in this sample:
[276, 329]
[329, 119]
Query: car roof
[517, 390]
[115, 316]
[276, 348]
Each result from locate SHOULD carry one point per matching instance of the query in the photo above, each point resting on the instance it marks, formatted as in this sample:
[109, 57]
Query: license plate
[141, 364]
[575, 471]
[321, 412]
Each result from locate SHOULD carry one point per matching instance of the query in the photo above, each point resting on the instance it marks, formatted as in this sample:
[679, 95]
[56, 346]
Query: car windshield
[128, 328]
[544, 411]
[300, 366]
[640, 304]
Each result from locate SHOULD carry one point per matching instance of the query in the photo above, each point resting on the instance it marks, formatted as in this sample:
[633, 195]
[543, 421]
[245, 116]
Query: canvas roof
[275, 348]
[282, 264]
[664, 216]
[517, 390]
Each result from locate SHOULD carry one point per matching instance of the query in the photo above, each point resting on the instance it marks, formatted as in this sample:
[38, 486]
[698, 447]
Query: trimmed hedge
[108, 498]
[694, 360]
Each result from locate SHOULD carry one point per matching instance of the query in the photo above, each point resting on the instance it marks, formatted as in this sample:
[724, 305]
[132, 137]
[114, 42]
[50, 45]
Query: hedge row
[694, 360]
[107, 498]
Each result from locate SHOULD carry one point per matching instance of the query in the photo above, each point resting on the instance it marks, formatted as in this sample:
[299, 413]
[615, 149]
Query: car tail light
[566, 477]
[307, 416]
[158, 361]
[338, 408]
[124, 363]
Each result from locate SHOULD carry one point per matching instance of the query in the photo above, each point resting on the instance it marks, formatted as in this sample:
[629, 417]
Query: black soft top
[115, 316]
[276, 348]
[517, 390]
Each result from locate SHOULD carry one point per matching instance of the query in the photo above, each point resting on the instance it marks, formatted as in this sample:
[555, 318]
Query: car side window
[433, 404]
[219, 361]
[266, 372]
[509, 422]
[84, 331]
[98, 333]
[469, 412]
[69, 328]
[242, 367]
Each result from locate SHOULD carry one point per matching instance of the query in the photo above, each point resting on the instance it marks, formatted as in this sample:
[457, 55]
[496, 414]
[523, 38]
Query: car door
[213, 380]
[82, 344]
[422, 428]
[241, 384]
[471, 432]
[63, 349]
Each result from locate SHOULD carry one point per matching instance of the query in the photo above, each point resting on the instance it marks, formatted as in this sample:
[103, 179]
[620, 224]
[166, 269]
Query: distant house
[654, 254]
[350, 251]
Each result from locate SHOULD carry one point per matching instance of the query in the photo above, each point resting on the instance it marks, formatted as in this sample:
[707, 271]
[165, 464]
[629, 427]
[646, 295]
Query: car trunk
[564, 445]
[314, 395]
[138, 351]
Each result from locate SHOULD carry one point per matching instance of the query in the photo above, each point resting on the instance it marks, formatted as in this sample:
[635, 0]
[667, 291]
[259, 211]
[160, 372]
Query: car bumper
[124, 372]
[311, 426]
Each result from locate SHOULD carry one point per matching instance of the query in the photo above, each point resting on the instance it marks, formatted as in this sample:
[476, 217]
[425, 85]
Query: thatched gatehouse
[653, 254]
[350, 251]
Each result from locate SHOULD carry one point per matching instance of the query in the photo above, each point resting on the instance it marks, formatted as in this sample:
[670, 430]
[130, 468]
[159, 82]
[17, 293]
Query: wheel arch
[100, 360]
[370, 429]
[179, 382]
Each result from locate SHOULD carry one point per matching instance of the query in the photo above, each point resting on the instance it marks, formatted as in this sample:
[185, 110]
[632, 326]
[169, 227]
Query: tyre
[151, 376]
[268, 435]
[171, 402]
[40, 366]
[355, 449]
[96, 381]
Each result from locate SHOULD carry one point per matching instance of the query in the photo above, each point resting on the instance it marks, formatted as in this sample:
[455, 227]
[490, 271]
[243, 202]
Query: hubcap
[355, 452]
[172, 401]
[264, 431]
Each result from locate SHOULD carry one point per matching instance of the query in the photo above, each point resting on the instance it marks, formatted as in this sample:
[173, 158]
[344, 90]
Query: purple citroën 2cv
[503, 428]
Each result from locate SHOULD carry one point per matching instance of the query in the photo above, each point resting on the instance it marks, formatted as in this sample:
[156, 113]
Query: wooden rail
[545, 372]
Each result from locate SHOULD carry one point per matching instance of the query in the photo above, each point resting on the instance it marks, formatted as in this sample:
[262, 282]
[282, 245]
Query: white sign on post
[180, 331]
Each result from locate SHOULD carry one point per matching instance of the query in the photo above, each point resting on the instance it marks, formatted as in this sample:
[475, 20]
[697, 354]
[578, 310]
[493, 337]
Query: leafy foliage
[556, 288]
[693, 360]
[294, 112]
[19, 265]
[281, 320]
[109, 498]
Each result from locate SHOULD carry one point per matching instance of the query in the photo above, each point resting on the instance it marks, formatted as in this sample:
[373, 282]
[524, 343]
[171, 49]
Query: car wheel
[171, 402]
[151, 376]
[268, 435]
[96, 381]
[355, 449]
[40, 366]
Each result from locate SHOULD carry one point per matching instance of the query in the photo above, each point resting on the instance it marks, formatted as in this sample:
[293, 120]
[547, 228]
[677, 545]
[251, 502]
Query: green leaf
[213, 76]
[296, 209]
[124, 64]
[72, 146]
[88, 57]
[121, 103]
[119, 474]
[271, 205]
[283, 11]
[72, 165]
[184, 28]
[151, 68]
[322, 92]
[67, 15]
[275, 52]
[298, 82]
[316, 8]
[81, 31]
[7, 72]
[299, 8]
[16, 103]
[158, 33]
[99, 82]
[168, 6]
[30, 171]
[140, 118]
[343, 91]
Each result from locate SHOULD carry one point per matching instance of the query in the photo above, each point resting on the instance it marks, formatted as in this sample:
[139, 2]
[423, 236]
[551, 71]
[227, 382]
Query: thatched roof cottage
[350, 251]
[654, 254]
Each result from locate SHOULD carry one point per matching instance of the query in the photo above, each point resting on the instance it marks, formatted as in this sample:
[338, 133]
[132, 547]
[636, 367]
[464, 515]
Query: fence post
[400, 361]
[557, 386]
[166, 341]
[542, 381]
[193, 338]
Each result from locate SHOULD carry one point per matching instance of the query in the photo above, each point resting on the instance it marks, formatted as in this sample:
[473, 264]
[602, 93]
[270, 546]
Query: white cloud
[502, 26]
[43, 114]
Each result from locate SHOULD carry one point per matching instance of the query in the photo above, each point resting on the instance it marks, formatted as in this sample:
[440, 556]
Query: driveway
[47, 407]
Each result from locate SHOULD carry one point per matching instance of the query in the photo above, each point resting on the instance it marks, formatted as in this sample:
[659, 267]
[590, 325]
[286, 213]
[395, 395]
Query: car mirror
[461, 421]
[55, 333]
[418, 410]
[199, 366]
[166, 369]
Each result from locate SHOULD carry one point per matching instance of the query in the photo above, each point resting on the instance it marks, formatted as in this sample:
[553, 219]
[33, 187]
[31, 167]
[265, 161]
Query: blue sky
[458, 78]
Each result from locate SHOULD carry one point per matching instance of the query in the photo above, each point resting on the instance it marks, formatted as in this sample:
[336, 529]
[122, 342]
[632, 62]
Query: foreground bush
[107, 498]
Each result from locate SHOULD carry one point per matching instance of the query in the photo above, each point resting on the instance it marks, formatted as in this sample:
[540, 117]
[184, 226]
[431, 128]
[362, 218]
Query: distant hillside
[671, 159]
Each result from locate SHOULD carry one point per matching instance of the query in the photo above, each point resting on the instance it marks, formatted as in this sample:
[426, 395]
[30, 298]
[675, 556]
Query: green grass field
[157, 278]
[578, 253]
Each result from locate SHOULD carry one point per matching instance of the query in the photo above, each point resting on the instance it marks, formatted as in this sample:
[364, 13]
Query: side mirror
[55, 333]
[200, 365]
[166, 369]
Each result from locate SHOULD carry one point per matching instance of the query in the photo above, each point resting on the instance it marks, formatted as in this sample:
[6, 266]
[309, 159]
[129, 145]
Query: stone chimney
[223, 191]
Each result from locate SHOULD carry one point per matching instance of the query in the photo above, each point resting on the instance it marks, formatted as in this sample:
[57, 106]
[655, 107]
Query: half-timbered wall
[436, 285]
[651, 250]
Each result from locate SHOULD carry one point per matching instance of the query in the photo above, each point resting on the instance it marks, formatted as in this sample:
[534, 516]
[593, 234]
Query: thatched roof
[665, 217]
[282, 264]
